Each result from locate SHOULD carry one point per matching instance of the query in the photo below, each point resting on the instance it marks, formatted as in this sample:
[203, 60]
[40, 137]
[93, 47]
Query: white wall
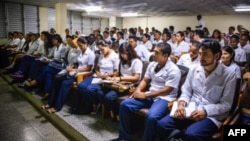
[221, 22]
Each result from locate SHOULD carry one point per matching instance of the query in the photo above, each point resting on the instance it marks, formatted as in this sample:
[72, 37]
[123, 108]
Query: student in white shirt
[85, 59]
[163, 76]
[217, 36]
[141, 50]
[130, 69]
[146, 42]
[107, 66]
[180, 47]
[211, 86]
[157, 37]
[119, 36]
[244, 39]
[240, 54]
[190, 59]
[227, 58]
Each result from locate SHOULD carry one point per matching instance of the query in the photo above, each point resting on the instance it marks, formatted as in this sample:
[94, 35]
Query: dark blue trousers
[201, 130]
[157, 109]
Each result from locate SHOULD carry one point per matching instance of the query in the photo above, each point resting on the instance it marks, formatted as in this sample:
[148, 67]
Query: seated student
[245, 105]
[191, 59]
[146, 41]
[244, 42]
[49, 71]
[27, 60]
[227, 58]
[107, 65]
[33, 46]
[211, 87]
[180, 47]
[130, 70]
[240, 54]
[141, 50]
[163, 76]
[85, 59]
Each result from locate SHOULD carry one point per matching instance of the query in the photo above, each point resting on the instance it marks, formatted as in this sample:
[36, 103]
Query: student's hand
[139, 95]
[69, 68]
[180, 112]
[246, 75]
[197, 115]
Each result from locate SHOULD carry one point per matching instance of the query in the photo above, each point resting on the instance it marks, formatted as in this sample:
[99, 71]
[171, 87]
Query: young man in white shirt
[211, 86]
[141, 50]
[163, 76]
[239, 54]
[191, 59]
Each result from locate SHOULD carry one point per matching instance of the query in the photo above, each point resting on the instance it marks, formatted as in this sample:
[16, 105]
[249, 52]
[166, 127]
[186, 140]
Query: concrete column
[43, 19]
[61, 18]
[112, 21]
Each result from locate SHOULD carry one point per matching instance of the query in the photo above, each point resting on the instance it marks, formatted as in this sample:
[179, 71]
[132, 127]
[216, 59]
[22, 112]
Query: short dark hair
[104, 43]
[56, 37]
[120, 33]
[211, 44]
[83, 40]
[165, 48]
[200, 33]
[235, 37]
[196, 44]
[133, 37]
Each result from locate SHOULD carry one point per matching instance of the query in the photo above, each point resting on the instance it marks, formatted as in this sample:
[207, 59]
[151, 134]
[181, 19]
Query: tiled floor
[19, 121]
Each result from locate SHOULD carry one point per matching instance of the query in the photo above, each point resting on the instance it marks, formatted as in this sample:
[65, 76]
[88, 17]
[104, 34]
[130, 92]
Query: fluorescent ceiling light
[135, 5]
[242, 8]
[129, 14]
[93, 8]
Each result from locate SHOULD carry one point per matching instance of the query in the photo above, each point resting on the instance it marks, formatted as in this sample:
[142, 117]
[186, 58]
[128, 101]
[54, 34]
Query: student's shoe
[45, 107]
[95, 111]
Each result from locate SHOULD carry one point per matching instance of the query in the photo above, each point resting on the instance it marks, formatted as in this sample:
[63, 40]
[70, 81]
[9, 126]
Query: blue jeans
[36, 67]
[46, 76]
[244, 119]
[91, 89]
[25, 65]
[201, 130]
[57, 98]
[157, 109]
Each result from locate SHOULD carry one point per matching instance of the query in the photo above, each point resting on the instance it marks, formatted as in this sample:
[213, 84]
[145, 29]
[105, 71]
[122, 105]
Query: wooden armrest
[82, 75]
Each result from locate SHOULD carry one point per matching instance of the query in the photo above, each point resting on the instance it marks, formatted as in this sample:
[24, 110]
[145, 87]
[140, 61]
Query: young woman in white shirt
[107, 66]
[130, 69]
[227, 58]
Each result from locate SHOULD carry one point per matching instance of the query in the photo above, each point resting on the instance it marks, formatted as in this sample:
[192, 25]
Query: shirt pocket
[216, 93]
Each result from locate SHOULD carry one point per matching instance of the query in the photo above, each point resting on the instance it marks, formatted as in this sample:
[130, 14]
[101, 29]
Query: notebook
[189, 109]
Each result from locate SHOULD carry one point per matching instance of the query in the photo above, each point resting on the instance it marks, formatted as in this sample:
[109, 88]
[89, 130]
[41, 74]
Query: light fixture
[129, 14]
[93, 8]
[134, 5]
[244, 8]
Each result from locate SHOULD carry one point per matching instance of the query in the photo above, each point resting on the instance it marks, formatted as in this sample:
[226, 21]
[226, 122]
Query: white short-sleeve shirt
[33, 46]
[73, 54]
[109, 64]
[169, 75]
[182, 47]
[136, 67]
[86, 58]
[148, 45]
[185, 60]
[235, 68]
[59, 52]
[240, 55]
[142, 52]
[246, 48]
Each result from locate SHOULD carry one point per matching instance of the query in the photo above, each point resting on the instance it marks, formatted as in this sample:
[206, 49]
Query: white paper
[189, 109]
[96, 81]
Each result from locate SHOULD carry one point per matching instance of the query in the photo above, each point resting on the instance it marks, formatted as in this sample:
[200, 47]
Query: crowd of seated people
[52, 63]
